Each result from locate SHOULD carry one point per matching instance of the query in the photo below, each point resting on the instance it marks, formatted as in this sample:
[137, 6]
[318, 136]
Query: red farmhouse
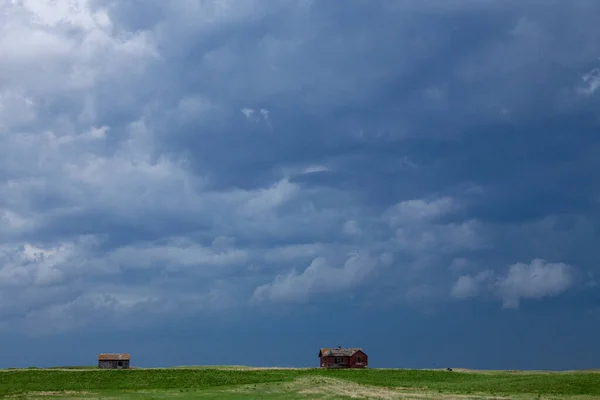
[343, 358]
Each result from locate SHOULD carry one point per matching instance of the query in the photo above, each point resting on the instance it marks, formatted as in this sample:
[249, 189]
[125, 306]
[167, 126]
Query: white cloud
[417, 230]
[50, 47]
[318, 278]
[124, 306]
[418, 210]
[286, 254]
[523, 281]
[12, 223]
[351, 227]
[199, 18]
[257, 115]
[248, 113]
[316, 168]
[271, 197]
[468, 286]
[76, 13]
[130, 184]
[440, 238]
[56, 288]
[178, 255]
[534, 280]
[591, 82]
[265, 114]
[29, 265]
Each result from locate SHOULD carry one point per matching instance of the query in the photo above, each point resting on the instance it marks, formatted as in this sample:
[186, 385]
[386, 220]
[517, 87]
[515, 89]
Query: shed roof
[114, 356]
[339, 352]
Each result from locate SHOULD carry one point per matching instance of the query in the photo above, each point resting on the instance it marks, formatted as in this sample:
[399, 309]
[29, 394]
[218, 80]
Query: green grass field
[253, 383]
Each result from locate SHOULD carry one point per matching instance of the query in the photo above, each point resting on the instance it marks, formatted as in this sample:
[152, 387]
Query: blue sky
[243, 182]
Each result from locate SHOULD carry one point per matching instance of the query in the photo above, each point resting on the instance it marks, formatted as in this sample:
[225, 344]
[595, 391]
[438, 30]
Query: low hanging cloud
[535, 280]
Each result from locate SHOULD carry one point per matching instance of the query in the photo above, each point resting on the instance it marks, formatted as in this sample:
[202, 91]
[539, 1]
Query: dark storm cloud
[191, 157]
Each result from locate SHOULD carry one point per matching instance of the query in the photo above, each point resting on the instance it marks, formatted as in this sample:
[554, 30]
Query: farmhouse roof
[339, 352]
[114, 356]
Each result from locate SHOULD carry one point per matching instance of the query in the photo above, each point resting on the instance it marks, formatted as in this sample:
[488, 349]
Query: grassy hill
[255, 383]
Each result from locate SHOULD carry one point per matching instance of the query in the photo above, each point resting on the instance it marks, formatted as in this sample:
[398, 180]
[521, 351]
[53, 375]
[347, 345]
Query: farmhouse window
[359, 359]
[339, 360]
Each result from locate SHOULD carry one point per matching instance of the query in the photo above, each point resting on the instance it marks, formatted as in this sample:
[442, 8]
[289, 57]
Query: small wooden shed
[114, 360]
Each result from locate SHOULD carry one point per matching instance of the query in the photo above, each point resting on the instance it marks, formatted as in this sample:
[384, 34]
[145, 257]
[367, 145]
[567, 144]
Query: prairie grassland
[238, 382]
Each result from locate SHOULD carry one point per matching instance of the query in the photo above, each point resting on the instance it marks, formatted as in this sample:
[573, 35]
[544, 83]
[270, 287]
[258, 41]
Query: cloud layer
[180, 158]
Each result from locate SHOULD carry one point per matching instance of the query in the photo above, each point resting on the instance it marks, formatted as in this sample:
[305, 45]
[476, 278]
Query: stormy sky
[245, 181]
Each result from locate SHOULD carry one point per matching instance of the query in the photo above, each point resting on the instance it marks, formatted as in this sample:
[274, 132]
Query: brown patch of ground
[331, 388]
